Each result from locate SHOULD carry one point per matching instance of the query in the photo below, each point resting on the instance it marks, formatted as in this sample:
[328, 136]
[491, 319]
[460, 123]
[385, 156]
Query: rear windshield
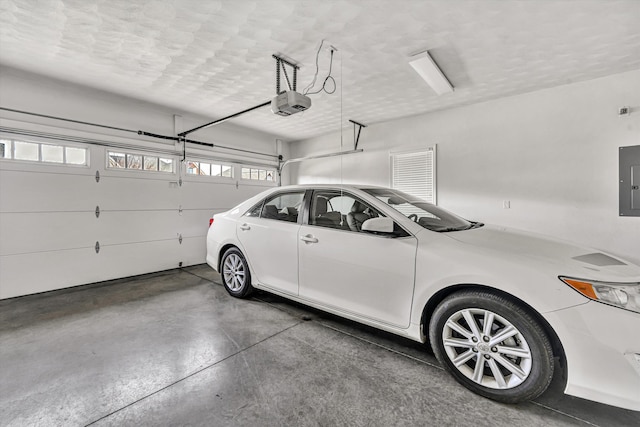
[425, 214]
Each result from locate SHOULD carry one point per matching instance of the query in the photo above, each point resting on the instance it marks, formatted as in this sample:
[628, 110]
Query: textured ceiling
[214, 57]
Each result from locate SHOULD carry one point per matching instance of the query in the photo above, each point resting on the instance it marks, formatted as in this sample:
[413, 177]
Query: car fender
[439, 258]
[222, 233]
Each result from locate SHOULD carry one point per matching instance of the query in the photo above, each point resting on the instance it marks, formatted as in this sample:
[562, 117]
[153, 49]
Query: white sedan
[496, 305]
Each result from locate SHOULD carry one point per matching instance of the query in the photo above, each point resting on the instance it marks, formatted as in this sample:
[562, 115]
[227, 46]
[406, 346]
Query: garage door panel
[246, 191]
[49, 228]
[45, 271]
[46, 192]
[37, 231]
[194, 250]
[139, 258]
[137, 194]
[196, 222]
[201, 195]
[116, 227]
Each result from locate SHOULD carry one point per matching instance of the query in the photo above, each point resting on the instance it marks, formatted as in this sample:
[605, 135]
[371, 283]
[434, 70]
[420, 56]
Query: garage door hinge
[180, 209]
[180, 238]
[97, 247]
[97, 211]
[97, 176]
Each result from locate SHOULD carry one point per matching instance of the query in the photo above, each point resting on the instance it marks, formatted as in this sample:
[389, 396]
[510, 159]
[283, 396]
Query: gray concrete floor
[173, 348]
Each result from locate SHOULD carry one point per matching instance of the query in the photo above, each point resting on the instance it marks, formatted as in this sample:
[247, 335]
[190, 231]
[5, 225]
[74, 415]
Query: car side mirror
[378, 225]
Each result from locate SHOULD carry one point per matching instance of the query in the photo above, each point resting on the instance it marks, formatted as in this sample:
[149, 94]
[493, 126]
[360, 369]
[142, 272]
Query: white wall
[553, 154]
[48, 226]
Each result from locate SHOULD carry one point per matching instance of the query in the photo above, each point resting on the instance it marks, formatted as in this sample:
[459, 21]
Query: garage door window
[209, 169]
[142, 162]
[43, 153]
[414, 173]
[258, 174]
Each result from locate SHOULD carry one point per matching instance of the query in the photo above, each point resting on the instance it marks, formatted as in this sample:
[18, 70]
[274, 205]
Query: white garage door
[71, 214]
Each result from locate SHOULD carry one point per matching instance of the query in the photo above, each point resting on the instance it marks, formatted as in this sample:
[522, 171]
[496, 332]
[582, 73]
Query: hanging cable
[341, 118]
[315, 76]
[328, 79]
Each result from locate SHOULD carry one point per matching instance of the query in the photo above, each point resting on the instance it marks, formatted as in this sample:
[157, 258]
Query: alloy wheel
[234, 272]
[486, 348]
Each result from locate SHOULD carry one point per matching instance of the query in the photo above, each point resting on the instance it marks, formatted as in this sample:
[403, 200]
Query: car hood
[561, 257]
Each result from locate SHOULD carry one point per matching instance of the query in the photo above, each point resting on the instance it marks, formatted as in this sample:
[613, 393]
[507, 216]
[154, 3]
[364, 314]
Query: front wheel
[492, 346]
[236, 277]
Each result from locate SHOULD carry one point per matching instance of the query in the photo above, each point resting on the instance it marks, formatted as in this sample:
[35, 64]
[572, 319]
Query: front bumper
[602, 346]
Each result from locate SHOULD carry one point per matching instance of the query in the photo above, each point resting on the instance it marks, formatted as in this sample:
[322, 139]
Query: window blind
[414, 173]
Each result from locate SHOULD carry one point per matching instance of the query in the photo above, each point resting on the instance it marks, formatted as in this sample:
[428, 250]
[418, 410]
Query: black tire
[515, 369]
[235, 274]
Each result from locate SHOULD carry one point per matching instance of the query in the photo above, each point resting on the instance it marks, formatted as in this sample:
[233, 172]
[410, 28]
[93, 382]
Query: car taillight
[210, 222]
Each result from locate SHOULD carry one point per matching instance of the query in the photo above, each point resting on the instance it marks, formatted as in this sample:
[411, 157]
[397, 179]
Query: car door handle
[309, 239]
[245, 227]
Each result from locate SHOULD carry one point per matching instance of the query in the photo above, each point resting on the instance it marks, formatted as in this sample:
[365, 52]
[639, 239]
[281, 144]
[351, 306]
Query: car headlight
[623, 295]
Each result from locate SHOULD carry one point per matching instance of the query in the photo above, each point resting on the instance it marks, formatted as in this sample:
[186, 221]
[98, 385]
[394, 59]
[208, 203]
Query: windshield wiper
[466, 227]
[448, 229]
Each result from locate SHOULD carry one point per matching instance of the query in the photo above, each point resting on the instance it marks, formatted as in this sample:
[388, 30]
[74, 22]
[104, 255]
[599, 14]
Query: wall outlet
[506, 204]
[624, 111]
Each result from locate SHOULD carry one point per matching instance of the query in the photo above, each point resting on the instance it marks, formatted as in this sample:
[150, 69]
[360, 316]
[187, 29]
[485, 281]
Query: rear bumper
[213, 251]
[602, 345]
[213, 262]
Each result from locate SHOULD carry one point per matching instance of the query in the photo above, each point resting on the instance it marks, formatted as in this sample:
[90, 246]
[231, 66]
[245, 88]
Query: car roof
[330, 186]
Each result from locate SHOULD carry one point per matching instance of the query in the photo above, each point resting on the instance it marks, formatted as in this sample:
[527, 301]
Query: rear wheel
[236, 277]
[492, 346]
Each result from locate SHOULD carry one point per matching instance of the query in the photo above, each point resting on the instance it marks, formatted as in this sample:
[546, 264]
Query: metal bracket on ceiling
[281, 164]
[356, 138]
[280, 64]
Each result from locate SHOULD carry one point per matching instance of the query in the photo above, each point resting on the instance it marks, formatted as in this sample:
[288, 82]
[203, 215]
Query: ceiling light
[429, 71]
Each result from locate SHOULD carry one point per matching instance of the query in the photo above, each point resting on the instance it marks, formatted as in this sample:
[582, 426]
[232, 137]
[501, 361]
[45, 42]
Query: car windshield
[425, 214]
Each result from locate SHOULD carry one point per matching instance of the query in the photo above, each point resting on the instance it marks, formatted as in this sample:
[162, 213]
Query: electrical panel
[630, 181]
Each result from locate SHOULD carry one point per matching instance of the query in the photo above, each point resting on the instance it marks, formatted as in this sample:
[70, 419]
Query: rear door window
[280, 207]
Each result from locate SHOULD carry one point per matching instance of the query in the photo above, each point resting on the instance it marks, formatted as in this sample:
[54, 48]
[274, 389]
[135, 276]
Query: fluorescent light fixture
[429, 71]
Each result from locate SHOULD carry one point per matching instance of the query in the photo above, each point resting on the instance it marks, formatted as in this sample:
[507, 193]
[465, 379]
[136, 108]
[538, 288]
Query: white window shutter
[414, 173]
